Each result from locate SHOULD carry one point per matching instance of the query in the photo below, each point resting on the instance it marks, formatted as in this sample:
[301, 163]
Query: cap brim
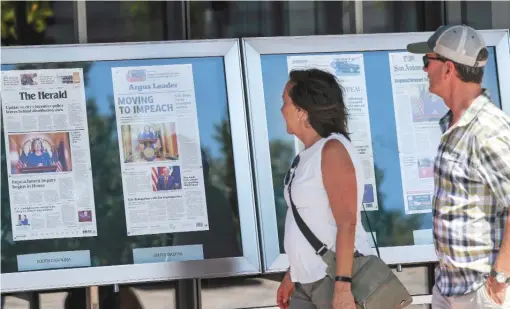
[419, 48]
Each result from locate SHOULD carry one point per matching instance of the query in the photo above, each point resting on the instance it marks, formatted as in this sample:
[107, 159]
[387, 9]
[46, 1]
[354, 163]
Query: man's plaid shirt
[472, 194]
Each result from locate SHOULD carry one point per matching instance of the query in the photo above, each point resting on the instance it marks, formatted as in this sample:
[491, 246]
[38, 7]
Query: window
[233, 19]
[396, 16]
[132, 21]
[479, 14]
[38, 22]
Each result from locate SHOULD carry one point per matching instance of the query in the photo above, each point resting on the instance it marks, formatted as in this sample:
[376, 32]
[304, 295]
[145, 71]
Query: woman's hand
[284, 292]
[342, 296]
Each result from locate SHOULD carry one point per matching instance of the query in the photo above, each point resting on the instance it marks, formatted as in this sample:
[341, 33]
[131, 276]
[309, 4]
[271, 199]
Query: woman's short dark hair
[321, 96]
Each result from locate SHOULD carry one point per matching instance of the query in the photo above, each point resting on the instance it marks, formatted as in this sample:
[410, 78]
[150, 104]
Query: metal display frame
[254, 48]
[250, 262]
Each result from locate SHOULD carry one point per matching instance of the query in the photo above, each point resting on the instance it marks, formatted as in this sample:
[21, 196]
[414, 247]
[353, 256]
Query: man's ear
[450, 67]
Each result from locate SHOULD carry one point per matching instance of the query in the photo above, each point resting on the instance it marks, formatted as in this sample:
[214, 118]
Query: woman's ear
[305, 119]
[300, 114]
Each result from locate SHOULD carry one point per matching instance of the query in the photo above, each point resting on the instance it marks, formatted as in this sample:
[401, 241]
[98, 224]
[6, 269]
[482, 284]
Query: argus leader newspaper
[48, 154]
[161, 160]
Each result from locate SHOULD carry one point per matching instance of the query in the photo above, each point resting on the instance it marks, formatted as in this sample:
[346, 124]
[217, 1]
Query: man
[167, 181]
[471, 174]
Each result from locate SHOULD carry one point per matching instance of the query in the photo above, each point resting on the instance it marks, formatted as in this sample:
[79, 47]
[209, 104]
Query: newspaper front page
[349, 70]
[417, 115]
[161, 160]
[48, 154]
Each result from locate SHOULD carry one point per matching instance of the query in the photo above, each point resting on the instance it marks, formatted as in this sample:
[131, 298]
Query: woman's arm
[339, 179]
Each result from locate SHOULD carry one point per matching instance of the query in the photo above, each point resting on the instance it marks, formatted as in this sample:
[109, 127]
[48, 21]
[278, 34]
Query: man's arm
[495, 158]
[340, 183]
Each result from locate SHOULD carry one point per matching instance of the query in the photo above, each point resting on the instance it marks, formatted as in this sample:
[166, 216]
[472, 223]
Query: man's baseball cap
[458, 43]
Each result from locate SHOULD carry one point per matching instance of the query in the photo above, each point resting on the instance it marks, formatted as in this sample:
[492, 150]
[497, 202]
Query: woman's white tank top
[311, 200]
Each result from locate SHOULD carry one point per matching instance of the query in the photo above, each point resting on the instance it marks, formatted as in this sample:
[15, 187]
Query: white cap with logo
[458, 43]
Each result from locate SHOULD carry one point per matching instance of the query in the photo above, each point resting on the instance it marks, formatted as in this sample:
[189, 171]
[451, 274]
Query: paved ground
[230, 293]
[225, 293]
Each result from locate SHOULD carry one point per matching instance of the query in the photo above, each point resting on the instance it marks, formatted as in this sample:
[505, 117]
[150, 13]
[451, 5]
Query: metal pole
[358, 16]
[188, 294]
[116, 296]
[186, 18]
[80, 21]
[34, 300]
[431, 276]
[399, 268]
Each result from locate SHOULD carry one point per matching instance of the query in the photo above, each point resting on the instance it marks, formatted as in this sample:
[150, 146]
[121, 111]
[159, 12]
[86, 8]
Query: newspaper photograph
[159, 142]
[48, 154]
[349, 70]
[417, 115]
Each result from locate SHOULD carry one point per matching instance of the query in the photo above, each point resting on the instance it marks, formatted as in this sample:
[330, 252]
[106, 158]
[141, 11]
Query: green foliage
[137, 8]
[141, 15]
[8, 20]
[37, 15]
[282, 153]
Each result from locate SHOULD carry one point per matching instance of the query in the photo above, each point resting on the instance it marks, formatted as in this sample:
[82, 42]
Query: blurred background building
[69, 22]
[75, 22]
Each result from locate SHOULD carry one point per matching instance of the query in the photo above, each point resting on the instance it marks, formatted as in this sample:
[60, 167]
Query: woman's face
[291, 113]
[37, 146]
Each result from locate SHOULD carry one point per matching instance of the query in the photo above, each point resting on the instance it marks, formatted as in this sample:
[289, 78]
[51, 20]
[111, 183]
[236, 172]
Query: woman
[37, 156]
[327, 188]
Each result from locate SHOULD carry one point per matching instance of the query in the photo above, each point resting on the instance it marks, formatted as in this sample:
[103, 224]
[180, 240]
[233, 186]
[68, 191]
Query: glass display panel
[391, 223]
[112, 246]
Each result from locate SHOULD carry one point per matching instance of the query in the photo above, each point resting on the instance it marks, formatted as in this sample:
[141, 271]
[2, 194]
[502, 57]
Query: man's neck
[461, 99]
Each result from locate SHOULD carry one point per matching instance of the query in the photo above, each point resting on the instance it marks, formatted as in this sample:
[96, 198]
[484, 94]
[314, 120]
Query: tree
[392, 227]
[25, 22]
[224, 137]
[282, 153]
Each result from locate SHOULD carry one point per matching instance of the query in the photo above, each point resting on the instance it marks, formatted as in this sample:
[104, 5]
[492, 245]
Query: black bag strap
[319, 247]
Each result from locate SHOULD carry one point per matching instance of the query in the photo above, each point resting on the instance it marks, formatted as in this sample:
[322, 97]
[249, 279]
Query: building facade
[80, 22]
[56, 22]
